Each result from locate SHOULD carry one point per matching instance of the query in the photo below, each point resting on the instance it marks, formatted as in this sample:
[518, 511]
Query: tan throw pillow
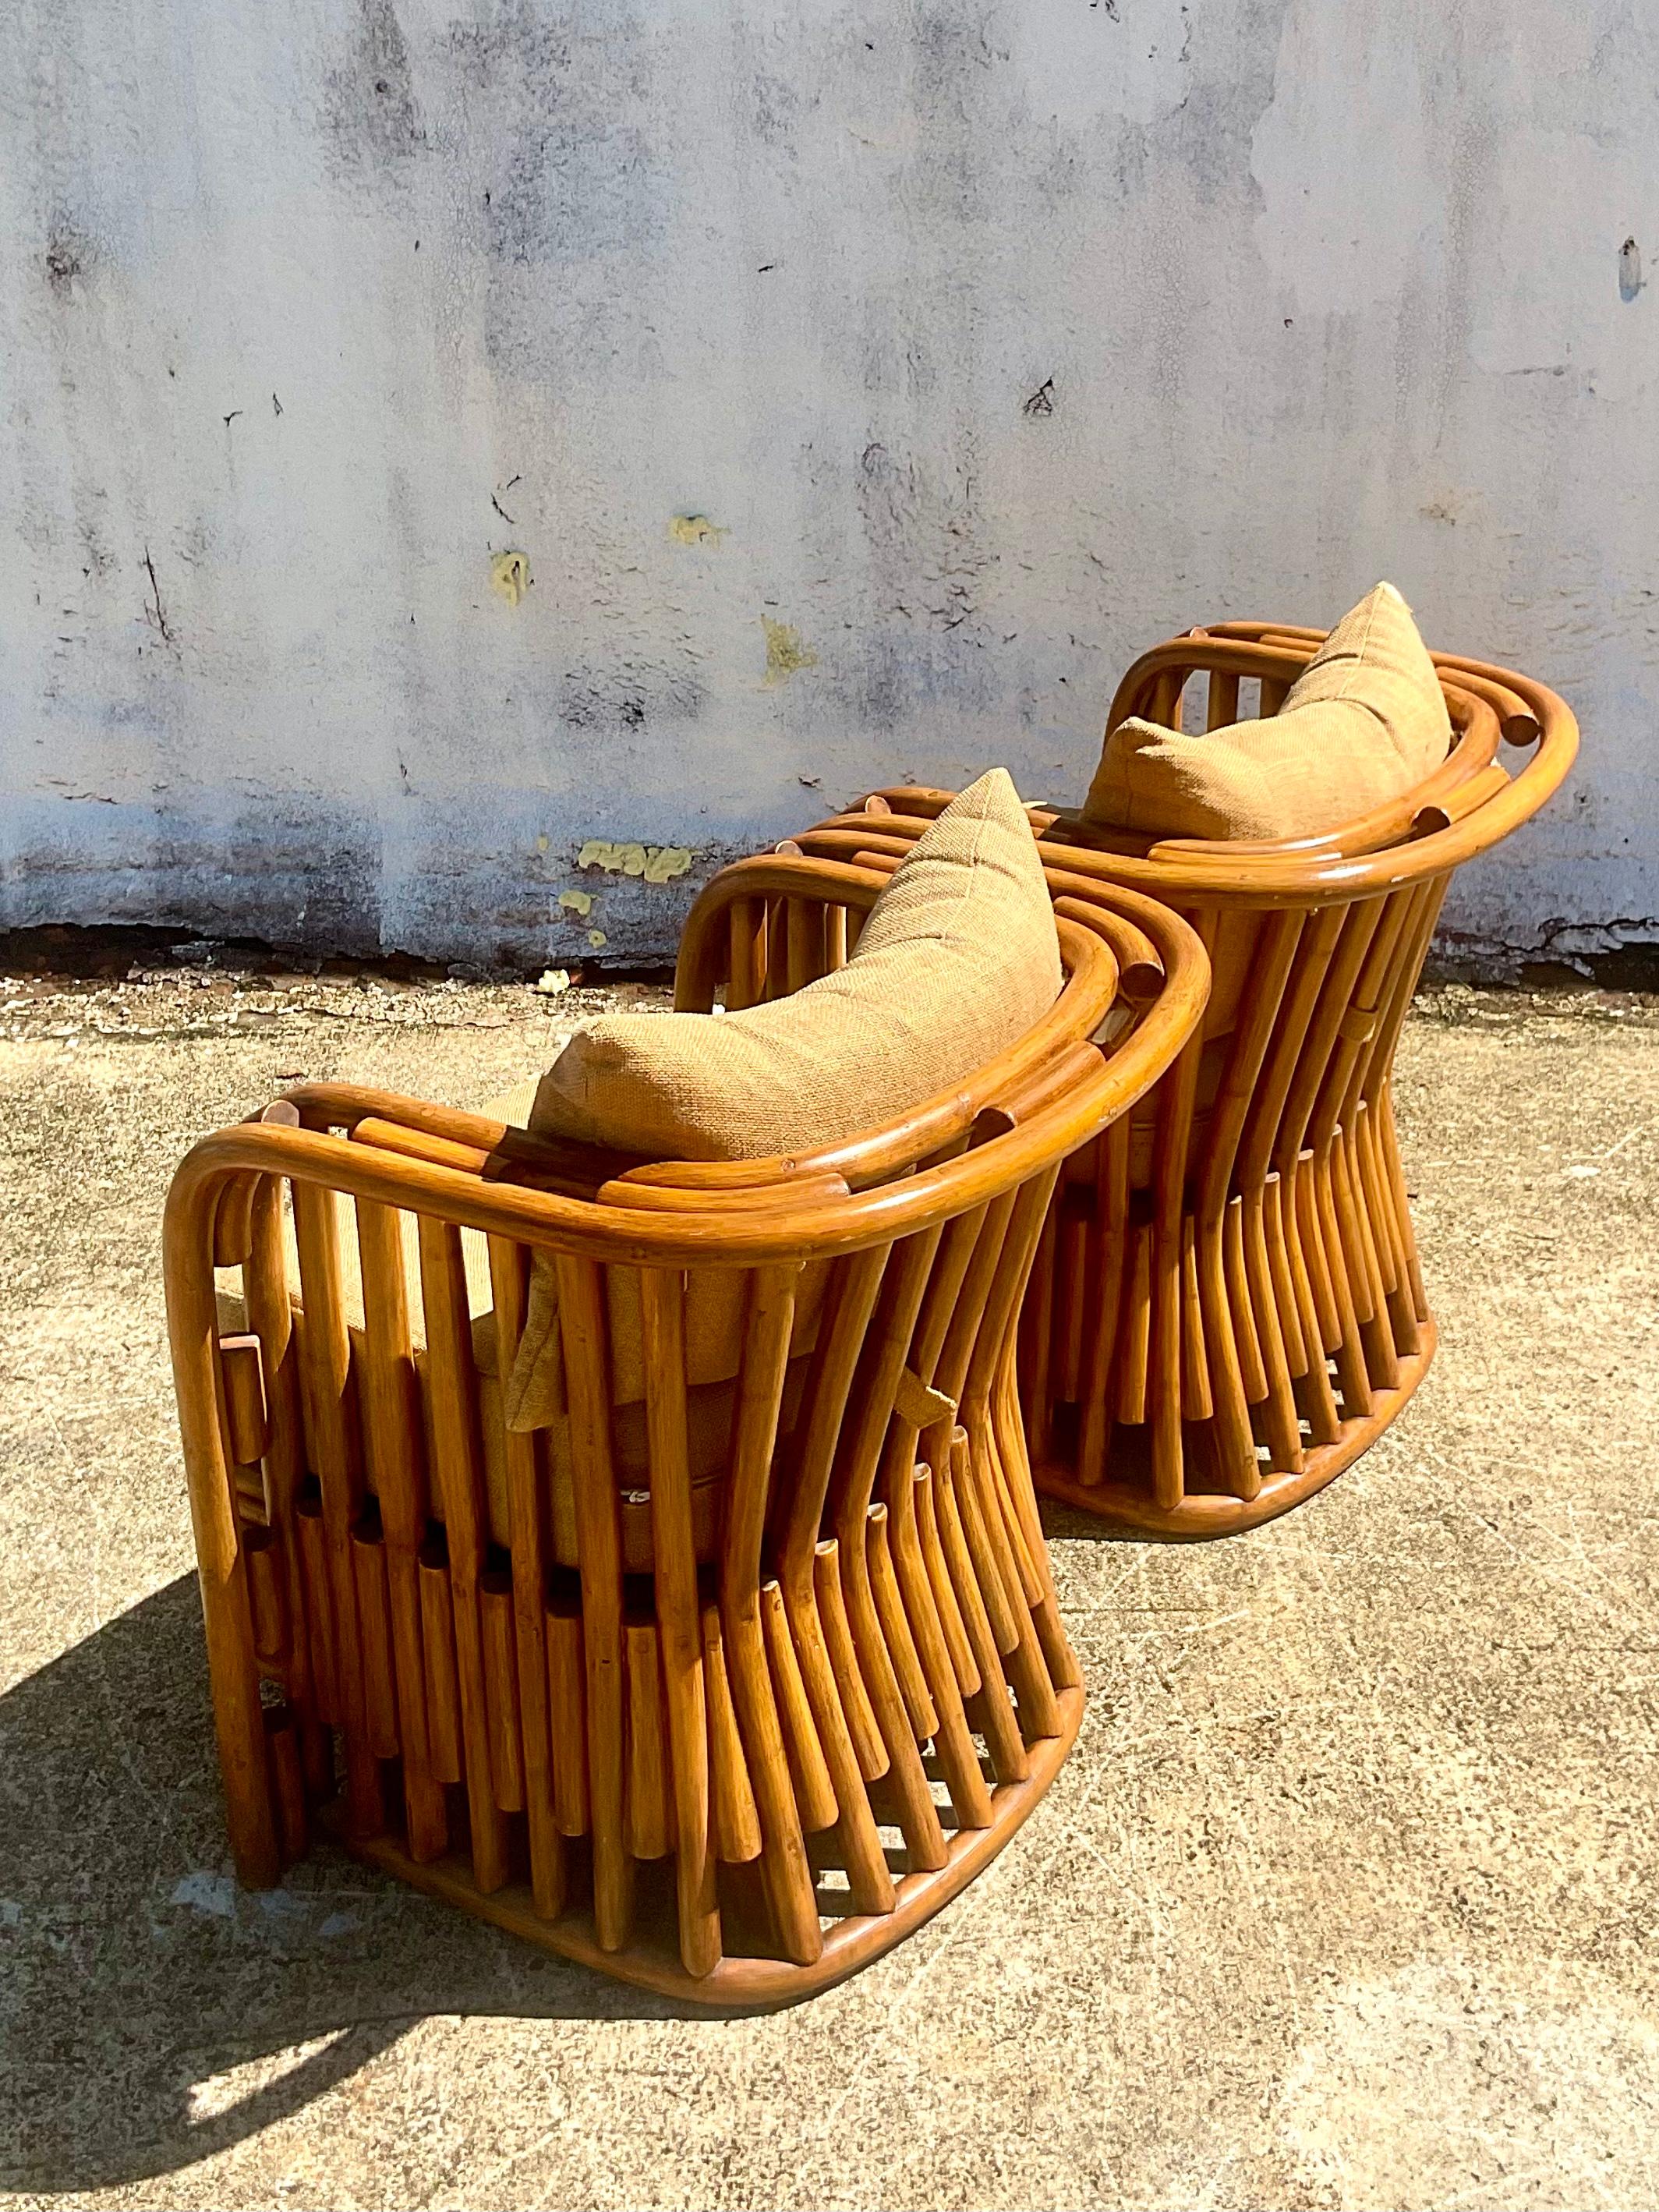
[957, 958]
[1365, 720]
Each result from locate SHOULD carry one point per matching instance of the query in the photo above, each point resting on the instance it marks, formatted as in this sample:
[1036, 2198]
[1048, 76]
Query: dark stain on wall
[372, 114]
[598, 696]
[553, 99]
[67, 255]
[1205, 141]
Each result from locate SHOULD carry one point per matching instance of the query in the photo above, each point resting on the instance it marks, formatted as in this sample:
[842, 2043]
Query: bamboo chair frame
[738, 1765]
[1227, 1305]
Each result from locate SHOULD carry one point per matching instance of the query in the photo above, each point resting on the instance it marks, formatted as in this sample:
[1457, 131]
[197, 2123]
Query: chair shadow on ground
[150, 2011]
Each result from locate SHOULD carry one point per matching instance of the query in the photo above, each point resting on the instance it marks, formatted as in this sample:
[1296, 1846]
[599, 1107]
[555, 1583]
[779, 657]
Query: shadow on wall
[150, 2012]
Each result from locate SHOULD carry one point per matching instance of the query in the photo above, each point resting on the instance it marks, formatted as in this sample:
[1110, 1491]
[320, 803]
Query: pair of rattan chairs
[741, 1671]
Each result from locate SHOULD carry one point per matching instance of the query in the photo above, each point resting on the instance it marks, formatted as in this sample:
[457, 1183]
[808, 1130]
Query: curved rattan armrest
[477, 1150]
[809, 1221]
[468, 1144]
[783, 1184]
[506, 1153]
[1458, 827]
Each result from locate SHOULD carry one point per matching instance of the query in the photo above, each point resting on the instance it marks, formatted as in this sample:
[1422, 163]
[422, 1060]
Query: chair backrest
[1315, 946]
[806, 1227]
[1465, 809]
[1471, 797]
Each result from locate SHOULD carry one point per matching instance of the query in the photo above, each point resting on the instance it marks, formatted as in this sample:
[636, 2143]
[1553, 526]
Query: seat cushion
[716, 1305]
[716, 1309]
[533, 1397]
[475, 1254]
[1365, 720]
[956, 959]
[710, 1410]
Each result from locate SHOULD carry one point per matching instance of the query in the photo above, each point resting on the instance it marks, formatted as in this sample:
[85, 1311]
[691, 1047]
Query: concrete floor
[1347, 1897]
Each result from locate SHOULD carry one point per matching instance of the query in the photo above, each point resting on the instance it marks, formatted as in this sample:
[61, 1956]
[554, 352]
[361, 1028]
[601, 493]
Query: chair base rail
[735, 1983]
[1198, 1518]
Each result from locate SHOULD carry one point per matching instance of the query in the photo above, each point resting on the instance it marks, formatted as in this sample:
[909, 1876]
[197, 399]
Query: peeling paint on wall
[509, 573]
[657, 864]
[786, 653]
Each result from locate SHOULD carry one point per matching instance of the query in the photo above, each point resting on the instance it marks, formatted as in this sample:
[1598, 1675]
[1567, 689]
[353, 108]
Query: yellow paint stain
[616, 859]
[541, 844]
[509, 573]
[580, 903]
[787, 654]
[657, 864]
[696, 529]
[596, 937]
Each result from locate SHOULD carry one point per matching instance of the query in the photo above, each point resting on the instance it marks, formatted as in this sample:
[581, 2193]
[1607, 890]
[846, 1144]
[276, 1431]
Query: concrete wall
[862, 386]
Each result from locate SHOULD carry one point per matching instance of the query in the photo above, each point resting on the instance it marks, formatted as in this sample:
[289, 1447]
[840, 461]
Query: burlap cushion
[1365, 720]
[710, 1409]
[957, 958]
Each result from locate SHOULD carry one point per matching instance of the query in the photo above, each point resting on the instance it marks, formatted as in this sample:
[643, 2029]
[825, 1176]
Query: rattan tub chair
[1227, 1305]
[722, 1686]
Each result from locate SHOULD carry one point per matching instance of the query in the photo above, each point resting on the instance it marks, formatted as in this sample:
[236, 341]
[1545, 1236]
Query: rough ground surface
[1347, 1897]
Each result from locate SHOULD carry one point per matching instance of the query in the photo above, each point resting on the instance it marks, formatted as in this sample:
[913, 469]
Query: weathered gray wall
[310, 310]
